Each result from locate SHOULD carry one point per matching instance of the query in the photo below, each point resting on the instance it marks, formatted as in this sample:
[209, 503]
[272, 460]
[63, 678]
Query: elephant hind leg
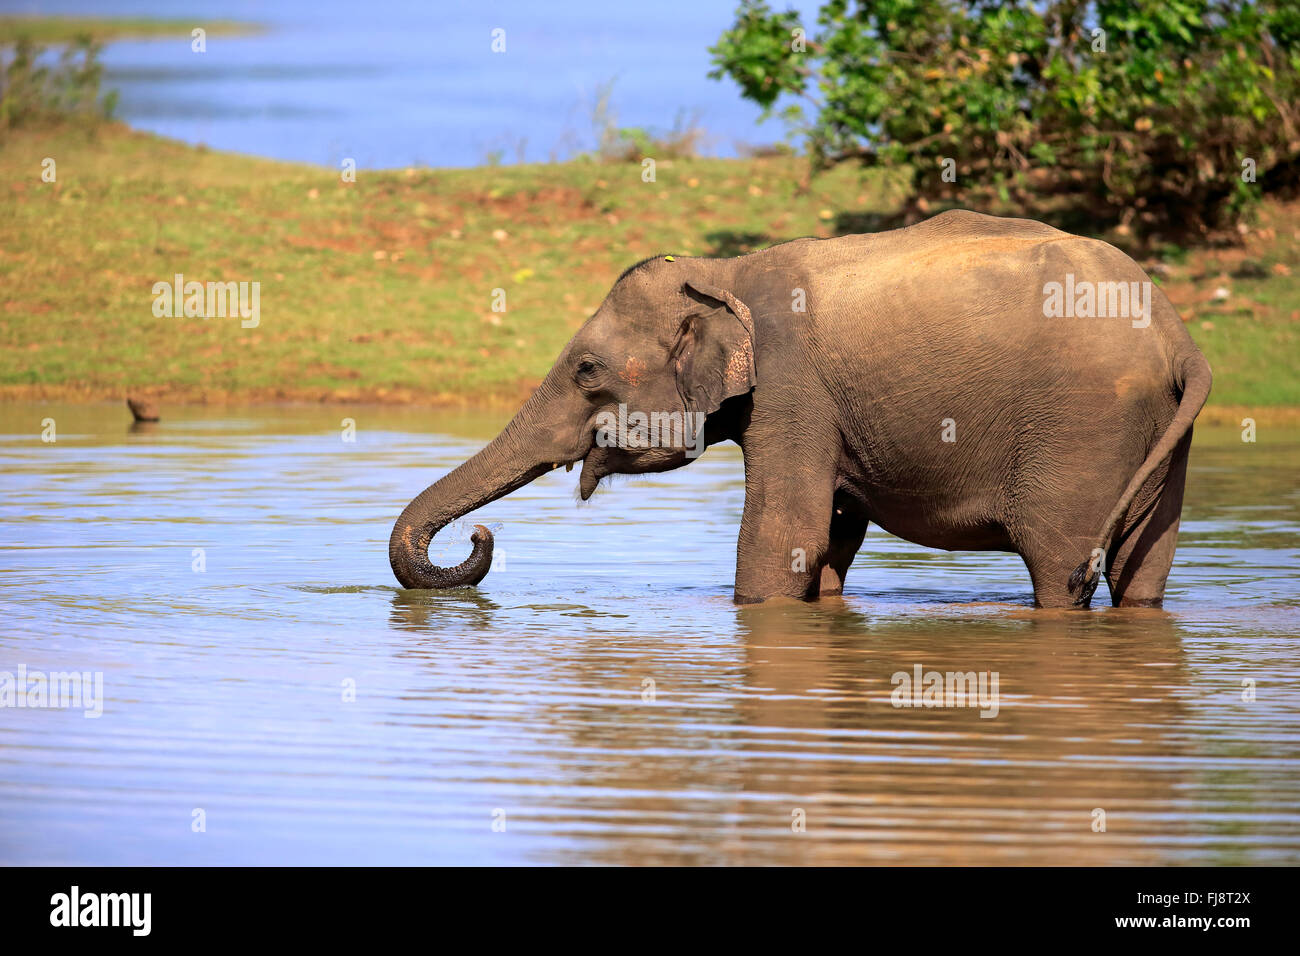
[847, 532]
[1051, 553]
[1138, 564]
[1051, 576]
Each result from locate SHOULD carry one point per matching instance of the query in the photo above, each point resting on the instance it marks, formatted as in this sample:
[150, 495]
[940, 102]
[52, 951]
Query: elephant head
[630, 394]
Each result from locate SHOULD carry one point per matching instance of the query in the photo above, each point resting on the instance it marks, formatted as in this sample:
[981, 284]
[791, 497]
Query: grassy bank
[53, 30]
[382, 289]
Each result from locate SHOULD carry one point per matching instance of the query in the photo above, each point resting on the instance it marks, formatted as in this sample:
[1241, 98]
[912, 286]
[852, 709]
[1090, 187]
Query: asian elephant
[969, 382]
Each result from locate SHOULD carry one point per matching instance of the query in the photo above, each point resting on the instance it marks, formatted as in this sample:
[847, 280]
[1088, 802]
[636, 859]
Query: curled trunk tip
[408, 553]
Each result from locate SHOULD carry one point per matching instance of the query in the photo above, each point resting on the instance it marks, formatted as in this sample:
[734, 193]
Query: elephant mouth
[595, 466]
[602, 461]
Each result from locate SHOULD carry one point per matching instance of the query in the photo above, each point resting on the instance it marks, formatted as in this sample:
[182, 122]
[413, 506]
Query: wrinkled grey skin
[1071, 434]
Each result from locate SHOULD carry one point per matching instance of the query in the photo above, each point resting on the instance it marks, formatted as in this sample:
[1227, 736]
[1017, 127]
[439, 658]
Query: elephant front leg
[784, 536]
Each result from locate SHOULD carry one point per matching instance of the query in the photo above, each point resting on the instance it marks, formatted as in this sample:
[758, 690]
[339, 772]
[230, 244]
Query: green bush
[67, 89]
[1132, 112]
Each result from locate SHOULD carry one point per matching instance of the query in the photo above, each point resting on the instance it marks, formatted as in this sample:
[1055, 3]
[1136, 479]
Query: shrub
[1142, 112]
[31, 92]
[618, 144]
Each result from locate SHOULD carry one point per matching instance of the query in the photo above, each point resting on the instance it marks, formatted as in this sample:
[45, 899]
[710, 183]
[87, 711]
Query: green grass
[379, 287]
[382, 289]
[1252, 338]
[54, 30]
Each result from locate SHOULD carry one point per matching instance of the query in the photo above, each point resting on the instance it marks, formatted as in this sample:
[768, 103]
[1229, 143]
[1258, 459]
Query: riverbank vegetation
[460, 285]
[385, 288]
[59, 30]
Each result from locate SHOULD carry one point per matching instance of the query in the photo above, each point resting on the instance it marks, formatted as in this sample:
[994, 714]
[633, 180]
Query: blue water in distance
[402, 82]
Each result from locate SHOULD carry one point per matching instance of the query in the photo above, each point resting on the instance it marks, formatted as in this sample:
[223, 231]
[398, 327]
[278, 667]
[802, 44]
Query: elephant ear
[714, 351]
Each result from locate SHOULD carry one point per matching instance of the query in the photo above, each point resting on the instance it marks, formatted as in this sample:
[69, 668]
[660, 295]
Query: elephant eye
[586, 372]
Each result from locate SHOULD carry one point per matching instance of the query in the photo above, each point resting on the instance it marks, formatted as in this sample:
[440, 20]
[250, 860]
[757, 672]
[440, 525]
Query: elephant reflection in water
[432, 610]
[1088, 734]
[1087, 721]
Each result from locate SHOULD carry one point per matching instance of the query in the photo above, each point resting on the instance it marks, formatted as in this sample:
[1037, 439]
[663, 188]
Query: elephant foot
[1141, 602]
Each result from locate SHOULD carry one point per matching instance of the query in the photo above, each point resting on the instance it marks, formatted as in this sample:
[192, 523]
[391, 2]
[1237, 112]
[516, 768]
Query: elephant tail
[1193, 380]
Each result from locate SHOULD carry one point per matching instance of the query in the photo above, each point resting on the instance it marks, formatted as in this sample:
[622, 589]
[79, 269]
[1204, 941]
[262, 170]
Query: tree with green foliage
[1165, 115]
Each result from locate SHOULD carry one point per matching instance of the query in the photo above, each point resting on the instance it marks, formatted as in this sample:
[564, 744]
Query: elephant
[969, 382]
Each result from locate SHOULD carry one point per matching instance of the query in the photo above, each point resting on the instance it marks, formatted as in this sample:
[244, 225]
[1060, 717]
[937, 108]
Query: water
[523, 701]
[403, 82]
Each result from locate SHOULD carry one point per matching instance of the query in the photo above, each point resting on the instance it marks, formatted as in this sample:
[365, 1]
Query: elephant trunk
[492, 473]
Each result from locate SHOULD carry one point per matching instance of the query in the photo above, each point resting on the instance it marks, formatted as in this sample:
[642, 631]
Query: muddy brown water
[270, 696]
